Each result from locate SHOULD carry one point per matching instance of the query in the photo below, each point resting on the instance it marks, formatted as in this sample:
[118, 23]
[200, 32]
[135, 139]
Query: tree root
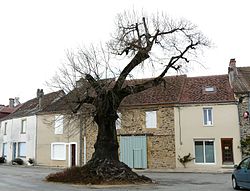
[99, 171]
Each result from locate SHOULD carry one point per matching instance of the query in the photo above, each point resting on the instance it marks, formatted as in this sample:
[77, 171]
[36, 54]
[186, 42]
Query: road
[32, 179]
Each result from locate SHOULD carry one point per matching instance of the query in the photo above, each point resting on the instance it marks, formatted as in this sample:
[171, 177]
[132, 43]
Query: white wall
[189, 126]
[14, 135]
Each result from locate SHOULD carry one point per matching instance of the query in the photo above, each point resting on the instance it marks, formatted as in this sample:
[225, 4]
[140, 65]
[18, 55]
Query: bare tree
[141, 41]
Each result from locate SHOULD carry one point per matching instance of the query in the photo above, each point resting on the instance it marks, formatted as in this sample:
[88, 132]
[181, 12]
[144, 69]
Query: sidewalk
[227, 170]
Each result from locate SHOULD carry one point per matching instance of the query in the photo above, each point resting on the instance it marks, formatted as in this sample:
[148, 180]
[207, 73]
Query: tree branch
[93, 83]
[137, 59]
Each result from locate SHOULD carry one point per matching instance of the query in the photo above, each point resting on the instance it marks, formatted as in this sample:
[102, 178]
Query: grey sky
[34, 35]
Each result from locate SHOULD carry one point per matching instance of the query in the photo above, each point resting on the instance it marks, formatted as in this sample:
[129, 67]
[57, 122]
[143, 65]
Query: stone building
[239, 78]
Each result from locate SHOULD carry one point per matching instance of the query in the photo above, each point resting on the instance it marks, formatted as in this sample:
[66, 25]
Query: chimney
[11, 102]
[39, 95]
[17, 102]
[232, 71]
[232, 63]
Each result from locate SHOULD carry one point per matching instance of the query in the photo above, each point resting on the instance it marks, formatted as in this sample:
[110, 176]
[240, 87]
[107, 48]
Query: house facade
[197, 115]
[18, 130]
[207, 124]
[145, 130]
[57, 141]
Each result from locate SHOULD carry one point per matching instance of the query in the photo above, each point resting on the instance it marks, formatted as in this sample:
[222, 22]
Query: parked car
[241, 175]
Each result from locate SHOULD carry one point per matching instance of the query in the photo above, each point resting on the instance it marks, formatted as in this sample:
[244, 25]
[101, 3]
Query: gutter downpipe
[180, 133]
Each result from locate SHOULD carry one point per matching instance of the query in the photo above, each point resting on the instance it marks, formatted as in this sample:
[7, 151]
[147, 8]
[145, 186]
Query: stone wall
[244, 122]
[160, 140]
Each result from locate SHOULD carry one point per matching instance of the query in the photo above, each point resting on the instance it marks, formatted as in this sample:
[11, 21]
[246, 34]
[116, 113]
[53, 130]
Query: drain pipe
[180, 133]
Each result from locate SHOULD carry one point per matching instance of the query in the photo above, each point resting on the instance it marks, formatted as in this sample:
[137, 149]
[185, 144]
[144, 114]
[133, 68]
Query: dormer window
[209, 89]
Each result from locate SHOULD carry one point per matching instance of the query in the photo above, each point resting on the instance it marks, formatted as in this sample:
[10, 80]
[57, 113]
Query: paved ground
[31, 179]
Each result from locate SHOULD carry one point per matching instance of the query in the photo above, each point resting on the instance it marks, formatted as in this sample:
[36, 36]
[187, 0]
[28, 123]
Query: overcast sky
[34, 35]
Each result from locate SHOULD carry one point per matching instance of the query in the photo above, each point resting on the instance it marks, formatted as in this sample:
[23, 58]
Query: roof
[168, 92]
[175, 90]
[194, 90]
[241, 82]
[6, 110]
[31, 107]
[165, 93]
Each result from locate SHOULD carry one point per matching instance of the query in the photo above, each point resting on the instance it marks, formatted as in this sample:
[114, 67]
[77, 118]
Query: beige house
[57, 143]
[207, 124]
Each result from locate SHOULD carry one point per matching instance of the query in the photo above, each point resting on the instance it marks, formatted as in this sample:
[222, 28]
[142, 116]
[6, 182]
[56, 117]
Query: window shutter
[58, 151]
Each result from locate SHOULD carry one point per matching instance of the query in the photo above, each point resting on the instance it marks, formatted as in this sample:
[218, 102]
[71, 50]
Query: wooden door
[73, 154]
[227, 151]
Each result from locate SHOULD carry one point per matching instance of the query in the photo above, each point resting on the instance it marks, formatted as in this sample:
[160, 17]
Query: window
[204, 151]
[23, 126]
[208, 116]
[245, 164]
[5, 128]
[209, 89]
[118, 121]
[151, 119]
[22, 149]
[58, 151]
[4, 150]
[59, 124]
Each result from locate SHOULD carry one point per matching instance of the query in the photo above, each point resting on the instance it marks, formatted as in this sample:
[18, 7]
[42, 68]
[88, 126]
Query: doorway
[72, 154]
[227, 151]
[133, 151]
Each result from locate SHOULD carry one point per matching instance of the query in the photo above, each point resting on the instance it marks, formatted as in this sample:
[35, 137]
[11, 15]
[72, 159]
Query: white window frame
[63, 156]
[151, 119]
[204, 152]
[24, 153]
[118, 122]
[58, 125]
[210, 122]
[23, 126]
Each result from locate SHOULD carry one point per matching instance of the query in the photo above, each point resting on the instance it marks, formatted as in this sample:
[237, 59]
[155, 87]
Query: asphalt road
[14, 178]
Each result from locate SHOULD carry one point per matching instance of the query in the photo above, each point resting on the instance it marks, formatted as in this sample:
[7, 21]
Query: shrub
[2, 160]
[17, 161]
[31, 161]
[185, 159]
[245, 146]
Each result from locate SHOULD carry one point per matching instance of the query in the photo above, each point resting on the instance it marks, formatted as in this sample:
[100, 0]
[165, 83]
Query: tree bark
[106, 146]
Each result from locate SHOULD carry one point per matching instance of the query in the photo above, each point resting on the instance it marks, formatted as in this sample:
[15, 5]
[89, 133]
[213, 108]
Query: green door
[134, 151]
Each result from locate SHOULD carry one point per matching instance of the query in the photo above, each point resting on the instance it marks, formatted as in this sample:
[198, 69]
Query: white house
[18, 130]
